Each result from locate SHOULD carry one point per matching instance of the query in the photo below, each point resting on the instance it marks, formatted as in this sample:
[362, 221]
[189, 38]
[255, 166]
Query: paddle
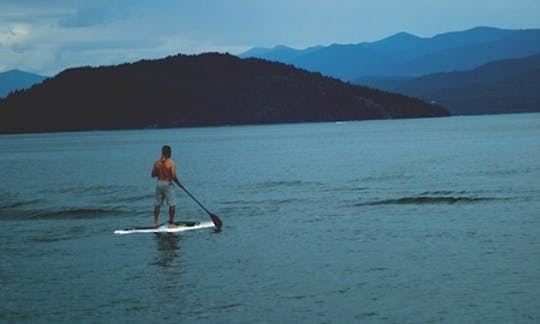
[217, 222]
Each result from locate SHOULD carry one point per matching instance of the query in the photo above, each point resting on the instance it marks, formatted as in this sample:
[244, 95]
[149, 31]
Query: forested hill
[206, 89]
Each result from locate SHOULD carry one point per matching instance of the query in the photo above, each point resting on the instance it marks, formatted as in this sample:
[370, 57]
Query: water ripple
[427, 200]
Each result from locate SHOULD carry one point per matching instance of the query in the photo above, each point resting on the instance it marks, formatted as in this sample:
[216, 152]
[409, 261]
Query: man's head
[166, 151]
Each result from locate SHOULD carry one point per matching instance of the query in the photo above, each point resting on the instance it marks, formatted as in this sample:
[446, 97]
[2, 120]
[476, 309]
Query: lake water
[395, 221]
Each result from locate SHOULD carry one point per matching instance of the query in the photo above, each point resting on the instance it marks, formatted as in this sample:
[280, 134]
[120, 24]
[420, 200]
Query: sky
[48, 36]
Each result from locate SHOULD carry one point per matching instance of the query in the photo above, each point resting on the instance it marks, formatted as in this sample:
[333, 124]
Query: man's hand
[178, 182]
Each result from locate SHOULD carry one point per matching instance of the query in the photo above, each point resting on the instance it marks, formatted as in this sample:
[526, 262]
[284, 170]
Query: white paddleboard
[182, 227]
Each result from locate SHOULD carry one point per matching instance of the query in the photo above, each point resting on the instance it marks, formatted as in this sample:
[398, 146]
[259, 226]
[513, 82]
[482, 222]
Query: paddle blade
[217, 222]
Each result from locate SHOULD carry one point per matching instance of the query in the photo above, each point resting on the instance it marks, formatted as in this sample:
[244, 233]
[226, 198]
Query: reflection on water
[167, 249]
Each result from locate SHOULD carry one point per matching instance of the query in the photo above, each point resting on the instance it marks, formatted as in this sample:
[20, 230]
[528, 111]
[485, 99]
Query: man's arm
[175, 178]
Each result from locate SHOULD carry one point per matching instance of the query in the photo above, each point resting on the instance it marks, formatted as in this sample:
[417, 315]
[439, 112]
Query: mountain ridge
[196, 90]
[410, 55]
[14, 80]
[503, 86]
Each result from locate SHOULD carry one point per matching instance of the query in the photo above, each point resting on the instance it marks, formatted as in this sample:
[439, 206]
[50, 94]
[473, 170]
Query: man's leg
[172, 210]
[156, 215]
[171, 201]
[157, 204]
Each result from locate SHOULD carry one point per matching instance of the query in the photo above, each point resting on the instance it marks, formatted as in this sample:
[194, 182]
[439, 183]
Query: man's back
[164, 170]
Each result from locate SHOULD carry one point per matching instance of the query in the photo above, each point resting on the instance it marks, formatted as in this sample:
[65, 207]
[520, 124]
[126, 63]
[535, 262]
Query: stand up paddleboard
[164, 228]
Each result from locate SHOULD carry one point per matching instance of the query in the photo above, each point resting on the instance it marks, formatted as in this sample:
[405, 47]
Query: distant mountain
[517, 44]
[503, 86]
[404, 47]
[279, 53]
[17, 80]
[409, 55]
[207, 89]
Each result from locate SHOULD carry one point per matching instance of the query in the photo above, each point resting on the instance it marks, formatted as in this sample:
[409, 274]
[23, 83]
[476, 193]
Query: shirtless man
[164, 170]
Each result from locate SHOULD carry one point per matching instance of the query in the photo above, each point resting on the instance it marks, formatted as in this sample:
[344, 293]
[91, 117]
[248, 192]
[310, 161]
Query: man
[164, 170]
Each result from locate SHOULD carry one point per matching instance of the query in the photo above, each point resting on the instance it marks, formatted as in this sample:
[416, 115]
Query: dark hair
[166, 151]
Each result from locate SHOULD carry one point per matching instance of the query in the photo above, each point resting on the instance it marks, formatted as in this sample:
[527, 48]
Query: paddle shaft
[195, 199]
[215, 219]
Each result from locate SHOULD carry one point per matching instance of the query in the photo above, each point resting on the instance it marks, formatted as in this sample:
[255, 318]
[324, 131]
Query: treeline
[198, 90]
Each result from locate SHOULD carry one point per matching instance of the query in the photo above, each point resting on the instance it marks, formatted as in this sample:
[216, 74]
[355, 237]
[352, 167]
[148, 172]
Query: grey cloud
[94, 14]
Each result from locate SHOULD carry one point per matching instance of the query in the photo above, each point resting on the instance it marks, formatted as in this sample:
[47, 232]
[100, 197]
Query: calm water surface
[404, 221]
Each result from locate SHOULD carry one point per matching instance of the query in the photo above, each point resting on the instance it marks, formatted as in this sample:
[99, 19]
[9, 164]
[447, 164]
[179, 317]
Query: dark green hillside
[506, 86]
[207, 89]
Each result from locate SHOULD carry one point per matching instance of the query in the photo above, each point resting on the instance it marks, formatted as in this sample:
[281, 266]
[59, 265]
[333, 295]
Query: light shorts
[165, 192]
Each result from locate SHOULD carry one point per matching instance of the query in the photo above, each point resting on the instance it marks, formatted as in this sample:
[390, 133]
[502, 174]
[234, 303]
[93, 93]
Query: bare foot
[156, 225]
[172, 225]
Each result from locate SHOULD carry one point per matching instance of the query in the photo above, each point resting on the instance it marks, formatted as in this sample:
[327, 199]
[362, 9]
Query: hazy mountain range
[511, 85]
[198, 90]
[16, 80]
[404, 54]
[482, 70]
[477, 71]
